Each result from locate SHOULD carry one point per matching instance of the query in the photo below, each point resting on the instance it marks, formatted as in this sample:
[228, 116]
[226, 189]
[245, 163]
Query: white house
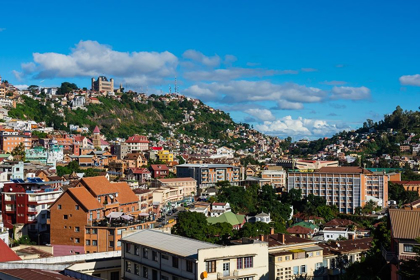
[219, 208]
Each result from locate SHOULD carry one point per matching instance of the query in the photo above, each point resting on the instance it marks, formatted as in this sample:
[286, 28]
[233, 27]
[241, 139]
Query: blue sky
[299, 68]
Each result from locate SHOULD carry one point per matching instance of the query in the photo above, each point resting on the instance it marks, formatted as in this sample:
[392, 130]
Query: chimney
[261, 237]
[281, 237]
[272, 230]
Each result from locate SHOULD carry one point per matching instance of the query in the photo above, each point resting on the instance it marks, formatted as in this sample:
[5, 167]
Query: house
[261, 217]
[303, 229]
[405, 228]
[165, 156]
[135, 160]
[141, 175]
[137, 143]
[150, 254]
[219, 208]
[237, 221]
[159, 170]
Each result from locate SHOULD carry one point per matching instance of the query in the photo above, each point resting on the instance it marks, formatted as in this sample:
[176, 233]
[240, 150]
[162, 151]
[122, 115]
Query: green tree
[19, 152]
[192, 225]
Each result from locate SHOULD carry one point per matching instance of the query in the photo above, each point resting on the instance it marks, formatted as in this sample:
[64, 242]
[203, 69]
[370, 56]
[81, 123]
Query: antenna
[176, 88]
[170, 89]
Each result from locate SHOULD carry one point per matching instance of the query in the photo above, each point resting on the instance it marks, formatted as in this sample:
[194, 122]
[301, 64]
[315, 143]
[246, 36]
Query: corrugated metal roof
[174, 244]
[405, 224]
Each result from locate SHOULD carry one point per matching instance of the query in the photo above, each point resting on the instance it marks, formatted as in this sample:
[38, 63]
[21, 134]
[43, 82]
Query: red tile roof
[339, 223]
[137, 139]
[125, 194]
[96, 130]
[136, 170]
[299, 230]
[159, 167]
[87, 200]
[7, 254]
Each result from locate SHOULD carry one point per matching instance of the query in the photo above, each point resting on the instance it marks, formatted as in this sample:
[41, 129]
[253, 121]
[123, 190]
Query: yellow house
[165, 156]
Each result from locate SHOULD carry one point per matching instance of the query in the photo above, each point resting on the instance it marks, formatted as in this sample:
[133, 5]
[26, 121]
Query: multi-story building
[405, 228]
[137, 143]
[277, 177]
[102, 84]
[121, 150]
[11, 139]
[174, 191]
[165, 156]
[145, 200]
[159, 170]
[25, 205]
[345, 187]
[89, 217]
[208, 175]
[306, 164]
[140, 175]
[135, 160]
[151, 254]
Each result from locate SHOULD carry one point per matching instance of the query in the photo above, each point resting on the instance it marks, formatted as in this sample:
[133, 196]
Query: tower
[96, 137]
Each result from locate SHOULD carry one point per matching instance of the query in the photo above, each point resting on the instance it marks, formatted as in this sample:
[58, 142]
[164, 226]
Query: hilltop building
[102, 84]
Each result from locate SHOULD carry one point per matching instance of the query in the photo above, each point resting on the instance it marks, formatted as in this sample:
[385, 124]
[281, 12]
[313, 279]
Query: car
[174, 211]
[160, 220]
[169, 213]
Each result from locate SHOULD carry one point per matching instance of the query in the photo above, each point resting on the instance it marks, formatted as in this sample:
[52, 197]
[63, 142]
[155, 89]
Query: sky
[305, 69]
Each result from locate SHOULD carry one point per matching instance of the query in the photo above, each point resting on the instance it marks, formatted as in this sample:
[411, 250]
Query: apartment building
[145, 200]
[345, 187]
[412, 186]
[165, 156]
[405, 228]
[135, 160]
[11, 139]
[137, 143]
[208, 175]
[102, 84]
[25, 205]
[174, 191]
[277, 177]
[89, 217]
[151, 254]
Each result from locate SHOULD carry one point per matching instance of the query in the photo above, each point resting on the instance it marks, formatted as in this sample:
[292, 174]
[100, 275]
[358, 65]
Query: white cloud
[211, 61]
[21, 87]
[90, 59]
[351, 93]
[410, 80]
[300, 127]
[229, 59]
[261, 114]
[286, 105]
[251, 91]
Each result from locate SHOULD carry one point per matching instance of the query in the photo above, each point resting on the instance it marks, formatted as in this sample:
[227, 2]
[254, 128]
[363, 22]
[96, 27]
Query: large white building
[151, 254]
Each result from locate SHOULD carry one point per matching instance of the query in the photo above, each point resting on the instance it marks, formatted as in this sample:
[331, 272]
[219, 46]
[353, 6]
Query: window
[98, 215]
[248, 262]
[296, 270]
[189, 266]
[127, 247]
[318, 265]
[175, 262]
[136, 269]
[128, 266]
[137, 250]
[211, 266]
[77, 240]
[90, 216]
[94, 231]
[408, 248]
[155, 256]
[145, 253]
[88, 242]
[165, 257]
[279, 259]
[65, 217]
[77, 207]
[94, 242]
[303, 269]
[239, 263]
[145, 272]
[287, 258]
[76, 229]
[111, 244]
[318, 253]
[88, 231]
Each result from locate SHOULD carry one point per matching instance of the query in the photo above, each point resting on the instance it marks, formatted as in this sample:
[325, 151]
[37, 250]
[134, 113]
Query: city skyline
[290, 69]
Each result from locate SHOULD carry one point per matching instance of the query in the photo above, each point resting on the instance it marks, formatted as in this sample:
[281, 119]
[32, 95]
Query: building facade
[345, 187]
[151, 254]
[102, 84]
[208, 175]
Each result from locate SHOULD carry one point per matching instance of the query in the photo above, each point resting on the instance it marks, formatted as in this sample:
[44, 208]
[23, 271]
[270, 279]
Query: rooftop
[405, 224]
[32, 274]
[170, 243]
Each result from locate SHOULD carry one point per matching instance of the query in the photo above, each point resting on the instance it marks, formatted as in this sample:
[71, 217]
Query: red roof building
[159, 170]
[137, 143]
[7, 254]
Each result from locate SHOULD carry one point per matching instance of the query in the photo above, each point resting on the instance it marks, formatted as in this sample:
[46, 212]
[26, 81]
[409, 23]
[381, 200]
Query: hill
[125, 115]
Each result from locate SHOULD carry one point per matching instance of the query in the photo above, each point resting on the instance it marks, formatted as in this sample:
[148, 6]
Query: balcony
[389, 256]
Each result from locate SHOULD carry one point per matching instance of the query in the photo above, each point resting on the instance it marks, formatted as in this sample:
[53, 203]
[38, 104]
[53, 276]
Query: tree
[192, 225]
[410, 269]
[325, 212]
[19, 152]
[67, 87]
